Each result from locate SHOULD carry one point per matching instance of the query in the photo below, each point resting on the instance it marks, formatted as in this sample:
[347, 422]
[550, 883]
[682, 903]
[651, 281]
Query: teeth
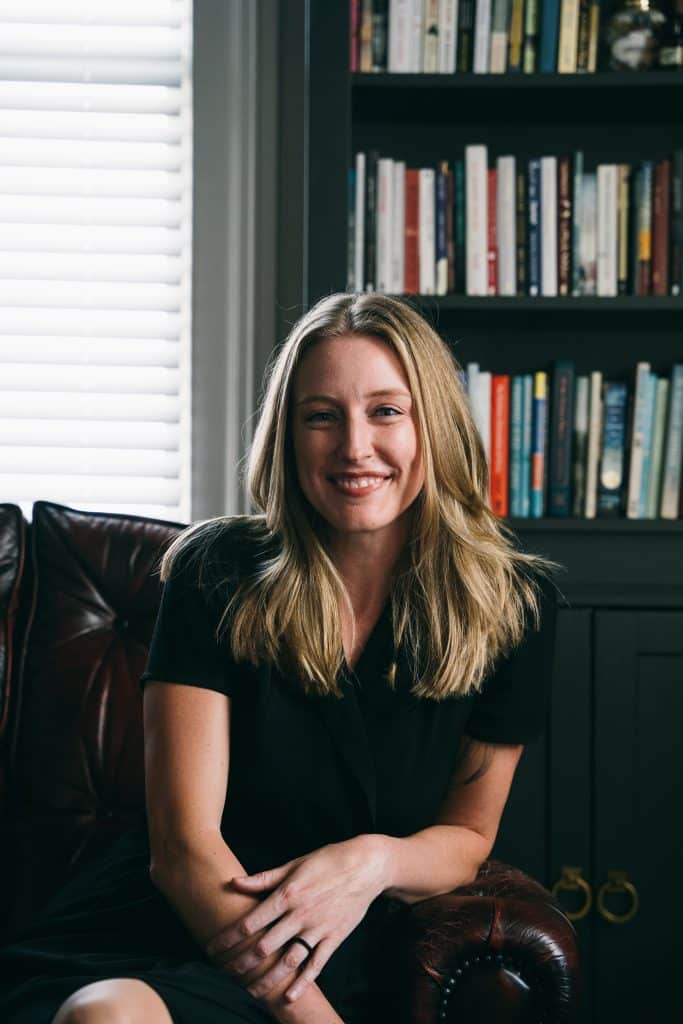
[359, 483]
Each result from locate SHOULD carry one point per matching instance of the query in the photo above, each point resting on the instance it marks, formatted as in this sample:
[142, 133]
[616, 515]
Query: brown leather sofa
[79, 593]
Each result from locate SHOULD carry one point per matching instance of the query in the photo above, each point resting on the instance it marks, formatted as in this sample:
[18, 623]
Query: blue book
[561, 438]
[534, 227]
[611, 477]
[538, 445]
[527, 415]
[516, 412]
[550, 36]
[650, 399]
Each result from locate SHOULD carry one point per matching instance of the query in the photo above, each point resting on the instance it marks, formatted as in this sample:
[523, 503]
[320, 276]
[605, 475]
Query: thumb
[262, 879]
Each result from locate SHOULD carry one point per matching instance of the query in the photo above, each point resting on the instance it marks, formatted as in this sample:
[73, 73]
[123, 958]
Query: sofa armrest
[499, 949]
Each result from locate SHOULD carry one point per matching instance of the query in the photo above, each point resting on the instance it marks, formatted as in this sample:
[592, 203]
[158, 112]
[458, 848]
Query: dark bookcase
[595, 798]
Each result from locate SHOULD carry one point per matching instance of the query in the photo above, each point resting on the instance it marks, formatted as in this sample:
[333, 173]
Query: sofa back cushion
[77, 772]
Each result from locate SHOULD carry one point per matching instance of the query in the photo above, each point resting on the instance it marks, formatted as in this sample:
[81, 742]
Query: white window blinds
[95, 254]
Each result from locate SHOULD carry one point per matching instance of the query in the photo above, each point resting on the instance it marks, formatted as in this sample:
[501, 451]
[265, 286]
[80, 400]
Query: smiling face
[357, 453]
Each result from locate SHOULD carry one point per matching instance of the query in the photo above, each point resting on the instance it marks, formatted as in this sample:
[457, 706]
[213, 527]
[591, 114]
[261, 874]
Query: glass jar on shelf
[633, 35]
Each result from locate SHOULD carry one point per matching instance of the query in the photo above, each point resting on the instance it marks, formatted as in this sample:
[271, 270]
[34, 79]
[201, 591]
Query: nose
[355, 442]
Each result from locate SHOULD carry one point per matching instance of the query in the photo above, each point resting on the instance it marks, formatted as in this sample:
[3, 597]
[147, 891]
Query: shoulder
[217, 551]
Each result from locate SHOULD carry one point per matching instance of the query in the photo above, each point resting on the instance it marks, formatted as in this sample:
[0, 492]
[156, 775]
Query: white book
[430, 38]
[594, 443]
[400, 52]
[485, 411]
[482, 37]
[417, 17]
[639, 413]
[506, 225]
[427, 233]
[658, 435]
[671, 481]
[548, 225]
[569, 36]
[498, 55]
[448, 36]
[607, 229]
[359, 251]
[398, 224]
[385, 209]
[476, 219]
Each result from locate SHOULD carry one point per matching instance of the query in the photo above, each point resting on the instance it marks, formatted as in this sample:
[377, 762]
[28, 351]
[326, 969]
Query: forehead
[350, 361]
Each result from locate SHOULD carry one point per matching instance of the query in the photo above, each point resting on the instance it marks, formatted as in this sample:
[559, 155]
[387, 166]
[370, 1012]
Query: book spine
[660, 228]
[398, 228]
[465, 35]
[569, 36]
[353, 35]
[549, 225]
[580, 446]
[476, 184]
[644, 280]
[607, 229]
[538, 443]
[448, 36]
[499, 37]
[655, 489]
[491, 233]
[677, 222]
[550, 34]
[351, 232]
[623, 174]
[412, 232]
[460, 223]
[594, 35]
[561, 434]
[430, 37]
[671, 481]
[594, 441]
[636, 439]
[359, 272]
[399, 36]
[516, 36]
[371, 221]
[427, 231]
[611, 479]
[505, 220]
[385, 204]
[516, 427]
[482, 36]
[380, 33]
[589, 234]
[583, 36]
[534, 226]
[577, 188]
[648, 437]
[564, 225]
[500, 422]
[521, 232]
[441, 243]
[530, 43]
[485, 412]
[527, 426]
[450, 228]
[415, 34]
[365, 36]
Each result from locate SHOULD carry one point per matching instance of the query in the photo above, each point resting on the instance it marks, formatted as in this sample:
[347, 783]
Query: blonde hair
[461, 590]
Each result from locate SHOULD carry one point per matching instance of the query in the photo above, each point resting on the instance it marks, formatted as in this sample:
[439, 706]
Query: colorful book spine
[550, 34]
[500, 426]
[534, 227]
[561, 436]
[516, 429]
[673, 469]
[580, 445]
[611, 477]
[538, 448]
[527, 426]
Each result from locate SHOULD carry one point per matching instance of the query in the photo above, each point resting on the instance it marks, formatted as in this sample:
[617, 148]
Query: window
[95, 255]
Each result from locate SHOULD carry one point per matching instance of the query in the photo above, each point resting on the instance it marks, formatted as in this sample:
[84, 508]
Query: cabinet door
[638, 799]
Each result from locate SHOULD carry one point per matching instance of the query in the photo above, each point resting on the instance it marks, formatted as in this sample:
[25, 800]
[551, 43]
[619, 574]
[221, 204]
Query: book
[506, 226]
[655, 488]
[671, 481]
[564, 225]
[637, 439]
[607, 229]
[561, 437]
[498, 57]
[594, 443]
[538, 444]
[448, 36]
[500, 424]
[569, 36]
[533, 226]
[482, 36]
[580, 445]
[476, 192]
[612, 461]
[427, 231]
[550, 34]
[548, 225]
[530, 36]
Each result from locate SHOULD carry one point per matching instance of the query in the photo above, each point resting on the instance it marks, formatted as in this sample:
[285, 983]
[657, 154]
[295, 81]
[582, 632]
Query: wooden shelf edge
[544, 80]
[575, 525]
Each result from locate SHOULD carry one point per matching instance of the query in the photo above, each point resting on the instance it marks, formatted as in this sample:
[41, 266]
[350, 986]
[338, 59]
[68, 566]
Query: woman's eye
[382, 409]
[388, 408]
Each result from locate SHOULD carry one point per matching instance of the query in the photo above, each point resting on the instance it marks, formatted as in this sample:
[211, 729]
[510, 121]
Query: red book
[500, 431]
[353, 54]
[411, 270]
[660, 228]
[492, 247]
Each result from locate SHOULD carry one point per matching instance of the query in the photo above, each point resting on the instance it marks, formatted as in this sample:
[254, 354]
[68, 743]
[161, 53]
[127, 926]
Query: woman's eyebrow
[370, 394]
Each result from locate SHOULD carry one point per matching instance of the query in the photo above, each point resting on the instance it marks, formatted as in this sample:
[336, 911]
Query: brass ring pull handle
[571, 878]
[618, 882]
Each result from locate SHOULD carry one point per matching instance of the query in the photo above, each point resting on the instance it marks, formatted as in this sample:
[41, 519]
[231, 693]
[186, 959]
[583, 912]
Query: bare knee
[114, 1001]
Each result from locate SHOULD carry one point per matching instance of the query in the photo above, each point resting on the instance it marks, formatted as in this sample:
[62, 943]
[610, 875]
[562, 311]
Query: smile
[360, 485]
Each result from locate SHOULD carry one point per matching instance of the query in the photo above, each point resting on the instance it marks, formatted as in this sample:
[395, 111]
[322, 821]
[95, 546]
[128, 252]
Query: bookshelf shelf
[560, 304]
[611, 526]
[621, 80]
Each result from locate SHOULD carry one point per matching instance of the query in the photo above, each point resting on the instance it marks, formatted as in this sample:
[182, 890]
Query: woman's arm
[187, 731]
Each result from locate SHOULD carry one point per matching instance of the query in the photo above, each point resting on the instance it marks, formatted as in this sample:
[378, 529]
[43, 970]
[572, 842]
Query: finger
[264, 914]
[312, 968]
[262, 879]
[291, 960]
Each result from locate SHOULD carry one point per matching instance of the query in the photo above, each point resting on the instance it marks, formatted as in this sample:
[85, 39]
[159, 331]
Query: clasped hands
[320, 897]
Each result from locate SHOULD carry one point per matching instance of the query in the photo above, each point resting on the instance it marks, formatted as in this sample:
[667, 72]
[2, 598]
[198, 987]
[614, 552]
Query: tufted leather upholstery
[79, 593]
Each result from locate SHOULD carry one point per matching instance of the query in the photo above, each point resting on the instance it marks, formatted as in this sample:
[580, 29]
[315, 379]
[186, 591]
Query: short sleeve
[514, 700]
[183, 648]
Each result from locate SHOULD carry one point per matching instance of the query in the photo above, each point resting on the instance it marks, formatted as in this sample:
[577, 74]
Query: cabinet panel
[638, 794]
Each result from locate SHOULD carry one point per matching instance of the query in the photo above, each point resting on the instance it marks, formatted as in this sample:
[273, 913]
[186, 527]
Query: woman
[337, 694]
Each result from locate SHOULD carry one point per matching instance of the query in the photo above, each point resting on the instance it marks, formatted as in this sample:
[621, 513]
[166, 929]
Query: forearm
[435, 860]
[194, 880]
